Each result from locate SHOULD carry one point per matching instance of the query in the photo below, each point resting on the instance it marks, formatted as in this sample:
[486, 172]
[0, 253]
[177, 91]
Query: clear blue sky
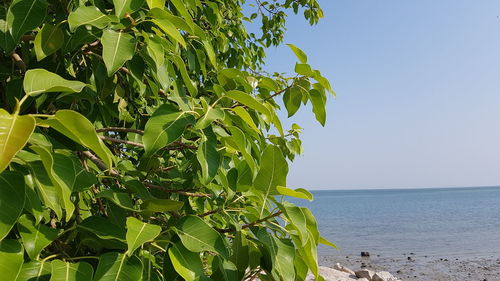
[418, 94]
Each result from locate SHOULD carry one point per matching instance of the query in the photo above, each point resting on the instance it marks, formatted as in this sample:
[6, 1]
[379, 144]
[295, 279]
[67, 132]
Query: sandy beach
[425, 268]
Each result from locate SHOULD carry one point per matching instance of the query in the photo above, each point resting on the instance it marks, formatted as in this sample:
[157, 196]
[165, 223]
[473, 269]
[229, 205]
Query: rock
[331, 274]
[365, 254]
[383, 276]
[338, 267]
[363, 279]
[365, 273]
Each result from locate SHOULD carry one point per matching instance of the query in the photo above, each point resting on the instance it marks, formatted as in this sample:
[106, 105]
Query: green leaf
[139, 232]
[179, 6]
[299, 53]
[46, 189]
[185, 262]
[198, 236]
[6, 41]
[297, 193]
[15, 130]
[281, 253]
[156, 3]
[48, 40]
[208, 156]
[318, 101]
[24, 16]
[118, 267]
[155, 50]
[272, 172]
[170, 29]
[118, 47]
[33, 203]
[292, 100]
[103, 228]
[297, 220]
[303, 69]
[324, 241]
[78, 128]
[211, 114]
[38, 81]
[88, 15]
[126, 6]
[161, 205]
[35, 237]
[65, 271]
[12, 196]
[179, 63]
[241, 252]
[61, 179]
[247, 100]
[11, 258]
[165, 126]
[35, 271]
[243, 114]
[120, 199]
[210, 53]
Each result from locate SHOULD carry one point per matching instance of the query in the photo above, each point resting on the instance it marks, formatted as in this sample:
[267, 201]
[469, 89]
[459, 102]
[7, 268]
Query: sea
[391, 222]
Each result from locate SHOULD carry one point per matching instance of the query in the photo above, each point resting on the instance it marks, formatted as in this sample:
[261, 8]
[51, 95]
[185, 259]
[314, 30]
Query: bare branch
[226, 230]
[99, 163]
[120, 129]
[181, 192]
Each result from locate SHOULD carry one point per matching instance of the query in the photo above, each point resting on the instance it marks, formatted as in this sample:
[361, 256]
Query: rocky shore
[342, 273]
[411, 266]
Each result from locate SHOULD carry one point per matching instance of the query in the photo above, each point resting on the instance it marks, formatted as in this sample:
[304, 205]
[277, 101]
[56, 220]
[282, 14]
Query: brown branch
[208, 213]
[181, 192]
[166, 169]
[121, 129]
[121, 141]
[277, 93]
[174, 146]
[18, 61]
[226, 230]
[99, 163]
[28, 37]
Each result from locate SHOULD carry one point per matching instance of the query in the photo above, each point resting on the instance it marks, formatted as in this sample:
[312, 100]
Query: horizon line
[405, 188]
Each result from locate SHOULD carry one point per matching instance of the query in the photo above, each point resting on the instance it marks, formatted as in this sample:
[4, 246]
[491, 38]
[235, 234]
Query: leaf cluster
[139, 140]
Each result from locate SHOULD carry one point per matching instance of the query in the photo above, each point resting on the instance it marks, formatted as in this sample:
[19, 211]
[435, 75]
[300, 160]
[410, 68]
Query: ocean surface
[433, 221]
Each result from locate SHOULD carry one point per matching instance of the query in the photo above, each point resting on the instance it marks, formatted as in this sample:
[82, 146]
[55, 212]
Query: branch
[120, 129]
[173, 146]
[18, 61]
[99, 163]
[226, 230]
[208, 213]
[181, 192]
[121, 141]
[277, 93]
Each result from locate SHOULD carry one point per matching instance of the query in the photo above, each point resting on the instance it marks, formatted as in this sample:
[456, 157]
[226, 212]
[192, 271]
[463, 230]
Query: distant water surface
[433, 221]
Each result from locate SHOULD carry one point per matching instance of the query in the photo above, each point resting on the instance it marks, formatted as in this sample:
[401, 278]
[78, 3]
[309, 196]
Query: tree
[139, 139]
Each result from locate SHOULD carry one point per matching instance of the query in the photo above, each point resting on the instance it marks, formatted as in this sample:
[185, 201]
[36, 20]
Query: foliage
[140, 139]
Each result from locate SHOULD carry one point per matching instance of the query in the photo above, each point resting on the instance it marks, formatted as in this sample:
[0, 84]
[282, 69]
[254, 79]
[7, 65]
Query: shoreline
[424, 268]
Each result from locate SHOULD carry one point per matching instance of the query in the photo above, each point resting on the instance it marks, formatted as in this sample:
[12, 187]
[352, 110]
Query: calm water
[453, 221]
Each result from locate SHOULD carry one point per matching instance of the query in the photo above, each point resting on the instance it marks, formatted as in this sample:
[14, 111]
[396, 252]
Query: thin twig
[173, 146]
[226, 230]
[208, 213]
[120, 129]
[121, 141]
[181, 192]
[277, 93]
[99, 163]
